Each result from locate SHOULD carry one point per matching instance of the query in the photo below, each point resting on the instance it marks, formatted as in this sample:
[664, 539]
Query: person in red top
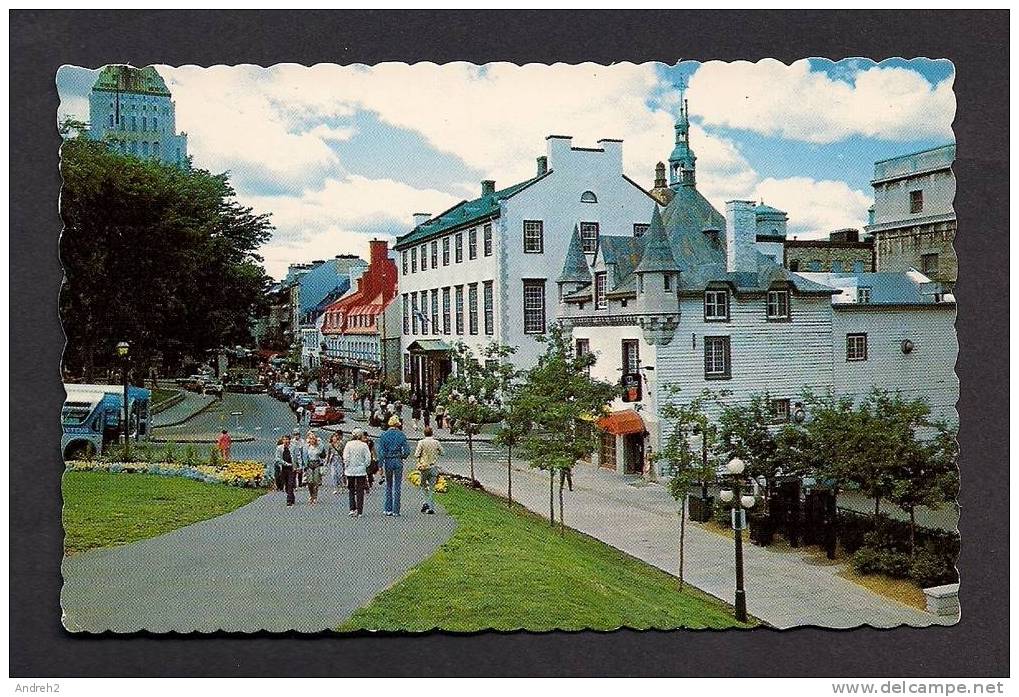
[224, 443]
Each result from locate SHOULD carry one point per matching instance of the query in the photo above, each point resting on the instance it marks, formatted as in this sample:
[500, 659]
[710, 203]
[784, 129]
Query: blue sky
[339, 155]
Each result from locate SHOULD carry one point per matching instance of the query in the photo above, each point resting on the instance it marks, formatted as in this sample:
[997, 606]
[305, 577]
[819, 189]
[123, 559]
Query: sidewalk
[187, 408]
[784, 588]
[355, 420]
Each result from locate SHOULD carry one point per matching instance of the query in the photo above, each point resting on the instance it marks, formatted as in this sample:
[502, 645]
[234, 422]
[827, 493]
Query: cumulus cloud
[792, 101]
[815, 207]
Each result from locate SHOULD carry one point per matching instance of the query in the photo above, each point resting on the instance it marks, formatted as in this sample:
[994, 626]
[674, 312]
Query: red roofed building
[361, 332]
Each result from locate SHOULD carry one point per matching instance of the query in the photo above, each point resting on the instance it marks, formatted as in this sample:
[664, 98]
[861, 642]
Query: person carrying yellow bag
[427, 455]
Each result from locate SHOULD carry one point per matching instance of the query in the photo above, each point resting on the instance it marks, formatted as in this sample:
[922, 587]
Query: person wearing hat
[393, 449]
[300, 456]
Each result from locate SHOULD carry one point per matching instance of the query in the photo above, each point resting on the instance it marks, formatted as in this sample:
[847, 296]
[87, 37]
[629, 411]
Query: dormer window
[778, 305]
[716, 305]
[588, 197]
[600, 301]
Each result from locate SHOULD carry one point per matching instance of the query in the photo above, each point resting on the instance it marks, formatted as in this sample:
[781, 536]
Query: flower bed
[242, 473]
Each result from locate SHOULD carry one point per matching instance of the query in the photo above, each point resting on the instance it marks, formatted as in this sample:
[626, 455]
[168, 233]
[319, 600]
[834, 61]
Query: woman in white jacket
[357, 457]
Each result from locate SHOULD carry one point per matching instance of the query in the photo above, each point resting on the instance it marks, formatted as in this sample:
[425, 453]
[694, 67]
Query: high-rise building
[131, 109]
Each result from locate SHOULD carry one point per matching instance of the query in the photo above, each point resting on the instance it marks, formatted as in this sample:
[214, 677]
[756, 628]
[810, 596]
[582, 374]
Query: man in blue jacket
[392, 448]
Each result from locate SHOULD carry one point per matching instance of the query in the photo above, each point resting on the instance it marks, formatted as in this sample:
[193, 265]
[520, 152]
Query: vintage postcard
[487, 347]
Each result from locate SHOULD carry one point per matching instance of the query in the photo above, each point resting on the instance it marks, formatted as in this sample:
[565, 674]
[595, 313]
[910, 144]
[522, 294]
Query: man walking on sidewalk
[393, 449]
[427, 455]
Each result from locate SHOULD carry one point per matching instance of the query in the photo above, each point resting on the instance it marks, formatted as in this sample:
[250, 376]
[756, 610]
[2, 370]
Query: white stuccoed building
[486, 270]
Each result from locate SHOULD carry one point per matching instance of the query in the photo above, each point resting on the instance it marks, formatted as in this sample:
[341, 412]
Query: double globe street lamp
[739, 502]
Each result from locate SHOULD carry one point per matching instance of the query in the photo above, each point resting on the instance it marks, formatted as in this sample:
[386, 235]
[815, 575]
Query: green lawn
[162, 394]
[103, 509]
[508, 570]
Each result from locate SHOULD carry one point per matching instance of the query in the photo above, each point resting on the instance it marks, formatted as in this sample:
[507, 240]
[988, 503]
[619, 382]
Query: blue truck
[92, 418]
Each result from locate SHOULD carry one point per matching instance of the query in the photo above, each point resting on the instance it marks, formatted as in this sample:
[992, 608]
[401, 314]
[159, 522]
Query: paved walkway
[262, 566]
[784, 588]
[183, 410]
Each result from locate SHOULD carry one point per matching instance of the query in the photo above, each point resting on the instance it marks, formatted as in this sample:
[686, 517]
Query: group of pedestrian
[353, 465]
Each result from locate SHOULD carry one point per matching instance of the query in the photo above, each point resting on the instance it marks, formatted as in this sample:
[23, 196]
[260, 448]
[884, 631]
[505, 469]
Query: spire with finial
[657, 256]
[682, 162]
[575, 268]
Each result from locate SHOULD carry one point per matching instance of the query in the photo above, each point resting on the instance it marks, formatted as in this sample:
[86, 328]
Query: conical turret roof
[575, 269]
[657, 254]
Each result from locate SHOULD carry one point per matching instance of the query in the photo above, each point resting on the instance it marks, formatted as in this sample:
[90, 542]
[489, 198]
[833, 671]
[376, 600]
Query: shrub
[932, 569]
[191, 458]
[215, 457]
[170, 452]
[867, 560]
[872, 560]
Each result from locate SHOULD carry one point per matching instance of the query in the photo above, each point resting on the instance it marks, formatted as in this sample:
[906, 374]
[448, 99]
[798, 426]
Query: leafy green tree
[474, 393]
[510, 434]
[747, 431]
[158, 255]
[559, 399]
[687, 450]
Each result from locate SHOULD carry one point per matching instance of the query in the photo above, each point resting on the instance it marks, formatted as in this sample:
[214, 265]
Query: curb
[200, 441]
[167, 403]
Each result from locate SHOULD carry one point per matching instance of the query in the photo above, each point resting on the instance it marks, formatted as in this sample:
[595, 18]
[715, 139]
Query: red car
[326, 415]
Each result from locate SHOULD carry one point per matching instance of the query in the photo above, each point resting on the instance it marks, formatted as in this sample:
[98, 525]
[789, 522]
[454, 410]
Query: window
[110, 124]
[460, 310]
[915, 201]
[435, 254]
[459, 248]
[863, 294]
[414, 260]
[155, 148]
[534, 306]
[414, 312]
[667, 283]
[424, 257]
[472, 308]
[778, 304]
[155, 124]
[929, 265]
[583, 347]
[717, 364]
[794, 265]
[716, 305]
[600, 301]
[837, 267]
[640, 228]
[534, 237]
[631, 356]
[488, 240]
[856, 347]
[858, 267]
[445, 250]
[406, 367]
[472, 243]
[608, 451]
[435, 311]
[145, 123]
[589, 236]
[588, 197]
[145, 147]
[779, 409]
[134, 123]
[446, 329]
[489, 309]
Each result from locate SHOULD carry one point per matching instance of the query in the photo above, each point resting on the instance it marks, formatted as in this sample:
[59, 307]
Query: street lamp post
[123, 348]
[739, 502]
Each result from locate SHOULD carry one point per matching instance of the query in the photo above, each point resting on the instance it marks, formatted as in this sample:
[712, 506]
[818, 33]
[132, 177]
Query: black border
[977, 42]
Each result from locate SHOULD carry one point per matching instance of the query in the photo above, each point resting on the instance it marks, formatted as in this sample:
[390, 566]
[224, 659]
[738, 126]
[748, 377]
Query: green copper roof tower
[682, 161]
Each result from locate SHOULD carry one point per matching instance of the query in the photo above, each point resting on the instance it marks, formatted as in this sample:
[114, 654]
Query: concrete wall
[828, 254]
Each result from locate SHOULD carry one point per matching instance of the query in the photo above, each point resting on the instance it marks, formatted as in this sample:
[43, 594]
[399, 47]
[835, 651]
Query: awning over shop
[429, 346]
[620, 423]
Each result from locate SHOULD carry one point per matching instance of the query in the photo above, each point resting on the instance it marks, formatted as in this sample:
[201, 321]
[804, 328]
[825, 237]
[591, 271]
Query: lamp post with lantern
[732, 494]
[123, 349]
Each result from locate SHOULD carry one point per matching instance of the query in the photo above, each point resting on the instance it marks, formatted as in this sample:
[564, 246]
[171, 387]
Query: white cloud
[340, 217]
[791, 101]
[815, 207]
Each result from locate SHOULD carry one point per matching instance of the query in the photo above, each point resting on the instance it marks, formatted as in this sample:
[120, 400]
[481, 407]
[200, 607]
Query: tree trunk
[682, 536]
[470, 452]
[912, 531]
[509, 475]
[551, 496]
[562, 525]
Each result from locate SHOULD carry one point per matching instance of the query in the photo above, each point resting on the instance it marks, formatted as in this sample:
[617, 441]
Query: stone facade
[843, 251]
[913, 220]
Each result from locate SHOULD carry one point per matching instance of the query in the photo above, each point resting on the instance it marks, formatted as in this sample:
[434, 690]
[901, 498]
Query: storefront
[621, 443]
[427, 364]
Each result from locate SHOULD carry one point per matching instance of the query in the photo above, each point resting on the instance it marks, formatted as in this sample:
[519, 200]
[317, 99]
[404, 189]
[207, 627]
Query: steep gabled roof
[657, 254]
[575, 269]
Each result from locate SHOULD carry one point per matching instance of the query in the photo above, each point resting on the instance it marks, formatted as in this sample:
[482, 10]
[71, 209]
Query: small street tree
[474, 392]
[747, 431]
[688, 461]
[514, 427]
[560, 400]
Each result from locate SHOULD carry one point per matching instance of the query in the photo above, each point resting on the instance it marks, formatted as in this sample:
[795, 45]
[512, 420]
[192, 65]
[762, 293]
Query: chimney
[613, 148]
[558, 150]
[740, 236]
[542, 165]
[660, 182]
[487, 187]
[378, 252]
[421, 218]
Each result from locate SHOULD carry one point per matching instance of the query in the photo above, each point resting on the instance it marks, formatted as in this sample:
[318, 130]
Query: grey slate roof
[886, 287]
[576, 269]
[657, 253]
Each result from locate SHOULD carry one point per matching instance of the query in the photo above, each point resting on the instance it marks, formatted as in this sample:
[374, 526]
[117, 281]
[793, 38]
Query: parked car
[285, 393]
[326, 415]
